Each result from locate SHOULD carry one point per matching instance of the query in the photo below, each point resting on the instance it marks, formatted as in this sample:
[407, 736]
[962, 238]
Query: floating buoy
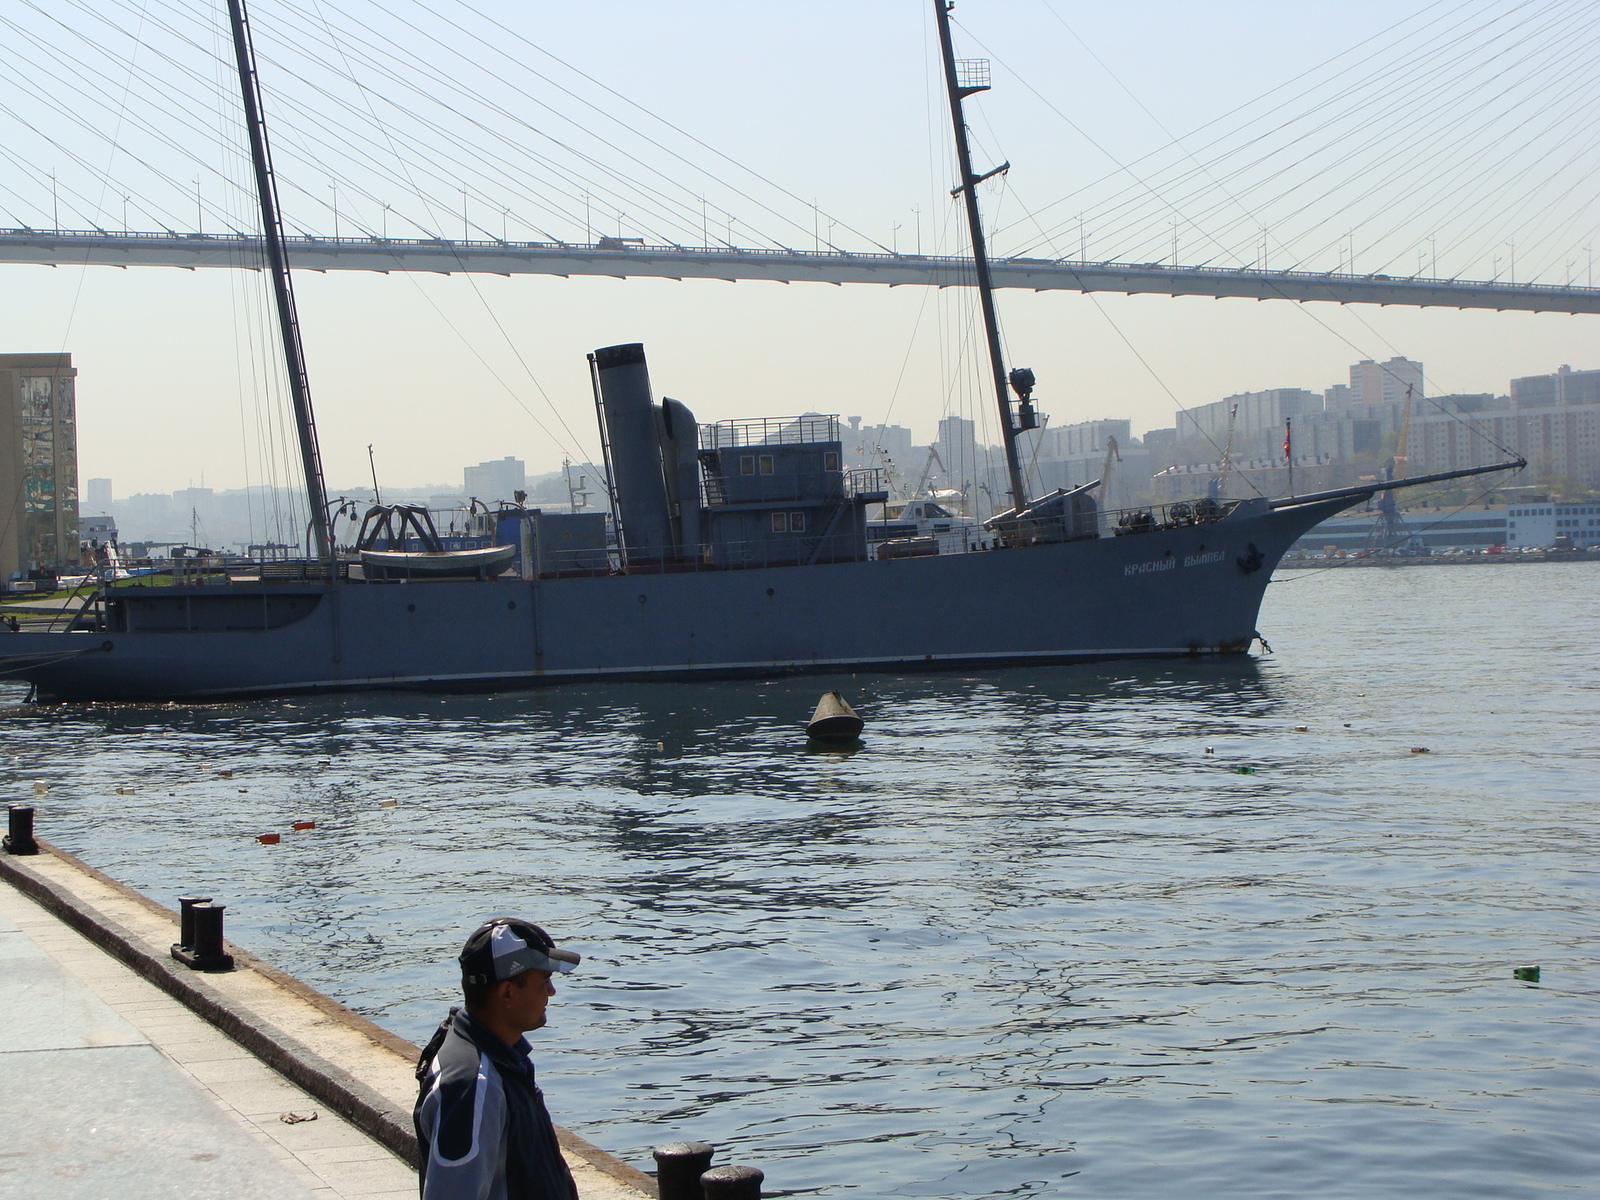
[834, 720]
[387, 803]
[1526, 974]
[1419, 750]
[224, 773]
[269, 839]
[305, 824]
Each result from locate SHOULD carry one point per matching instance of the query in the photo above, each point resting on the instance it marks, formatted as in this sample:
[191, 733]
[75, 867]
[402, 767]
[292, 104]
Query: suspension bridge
[1435, 152]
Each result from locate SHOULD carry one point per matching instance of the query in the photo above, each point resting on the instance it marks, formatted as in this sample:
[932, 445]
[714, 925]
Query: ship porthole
[411, 608]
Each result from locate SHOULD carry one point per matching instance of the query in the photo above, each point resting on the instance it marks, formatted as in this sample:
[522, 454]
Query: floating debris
[324, 762]
[1243, 770]
[1419, 750]
[834, 720]
[1211, 749]
[305, 824]
[387, 803]
[40, 789]
[224, 773]
[1526, 974]
[269, 839]
[1302, 729]
[124, 791]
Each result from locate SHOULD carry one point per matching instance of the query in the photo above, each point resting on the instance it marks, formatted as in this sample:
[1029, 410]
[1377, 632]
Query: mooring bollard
[186, 922]
[732, 1183]
[679, 1166]
[206, 954]
[19, 831]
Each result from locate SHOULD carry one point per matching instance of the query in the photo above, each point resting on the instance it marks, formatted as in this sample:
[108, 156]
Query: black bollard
[19, 835]
[679, 1166]
[186, 921]
[732, 1183]
[206, 954]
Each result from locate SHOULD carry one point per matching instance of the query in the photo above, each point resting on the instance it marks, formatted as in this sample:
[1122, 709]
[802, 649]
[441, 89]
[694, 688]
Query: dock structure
[627, 258]
[126, 1074]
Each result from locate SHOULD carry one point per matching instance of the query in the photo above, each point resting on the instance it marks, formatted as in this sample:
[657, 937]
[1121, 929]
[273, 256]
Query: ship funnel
[630, 433]
[680, 461]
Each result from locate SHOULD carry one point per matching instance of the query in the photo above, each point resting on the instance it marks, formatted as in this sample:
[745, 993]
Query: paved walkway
[111, 1088]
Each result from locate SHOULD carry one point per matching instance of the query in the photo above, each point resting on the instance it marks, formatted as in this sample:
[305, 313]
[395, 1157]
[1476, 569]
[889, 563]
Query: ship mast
[282, 285]
[959, 88]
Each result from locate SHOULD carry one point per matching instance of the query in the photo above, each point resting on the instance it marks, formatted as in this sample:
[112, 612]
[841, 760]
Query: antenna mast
[964, 79]
[282, 285]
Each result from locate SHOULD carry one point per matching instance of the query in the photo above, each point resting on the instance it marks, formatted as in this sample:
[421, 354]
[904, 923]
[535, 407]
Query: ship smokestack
[680, 459]
[630, 433]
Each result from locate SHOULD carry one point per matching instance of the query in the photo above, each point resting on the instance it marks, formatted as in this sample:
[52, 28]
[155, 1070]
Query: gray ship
[737, 548]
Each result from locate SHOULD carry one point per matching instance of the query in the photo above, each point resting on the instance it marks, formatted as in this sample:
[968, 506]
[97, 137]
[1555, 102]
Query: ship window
[747, 464]
[830, 461]
[797, 522]
[766, 464]
[780, 522]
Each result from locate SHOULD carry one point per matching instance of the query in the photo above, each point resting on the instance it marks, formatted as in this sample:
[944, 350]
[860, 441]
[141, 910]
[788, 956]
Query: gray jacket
[483, 1132]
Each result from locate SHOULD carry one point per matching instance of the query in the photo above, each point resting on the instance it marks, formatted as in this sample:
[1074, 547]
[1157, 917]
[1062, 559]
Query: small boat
[486, 562]
[388, 529]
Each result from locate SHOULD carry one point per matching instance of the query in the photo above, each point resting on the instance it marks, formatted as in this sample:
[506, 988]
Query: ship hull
[1185, 591]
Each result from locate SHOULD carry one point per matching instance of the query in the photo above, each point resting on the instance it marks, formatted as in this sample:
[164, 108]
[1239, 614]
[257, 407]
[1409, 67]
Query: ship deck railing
[770, 431]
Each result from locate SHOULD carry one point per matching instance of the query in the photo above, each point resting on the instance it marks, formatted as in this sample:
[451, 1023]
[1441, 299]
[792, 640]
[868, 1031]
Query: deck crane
[927, 473]
[1112, 454]
[1390, 534]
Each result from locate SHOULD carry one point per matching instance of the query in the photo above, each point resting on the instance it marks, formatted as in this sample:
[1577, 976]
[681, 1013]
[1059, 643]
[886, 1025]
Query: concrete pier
[124, 1073]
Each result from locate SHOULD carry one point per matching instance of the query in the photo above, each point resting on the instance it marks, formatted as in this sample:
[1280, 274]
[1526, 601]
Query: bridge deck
[192, 250]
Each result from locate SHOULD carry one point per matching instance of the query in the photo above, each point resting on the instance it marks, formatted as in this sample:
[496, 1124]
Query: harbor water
[1113, 930]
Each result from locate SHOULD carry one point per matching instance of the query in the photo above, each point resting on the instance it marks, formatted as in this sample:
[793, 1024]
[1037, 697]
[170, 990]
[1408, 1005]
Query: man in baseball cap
[482, 1128]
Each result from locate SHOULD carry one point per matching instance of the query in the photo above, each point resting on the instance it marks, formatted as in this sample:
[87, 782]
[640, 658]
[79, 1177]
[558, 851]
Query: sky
[831, 104]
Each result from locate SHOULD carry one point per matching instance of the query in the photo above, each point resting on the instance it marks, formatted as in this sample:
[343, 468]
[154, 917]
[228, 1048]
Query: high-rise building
[886, 446]
[38, 463]
[98, 492]
[1565, 387]
[958, 451]
[1386, 382]
[501, 479]
[1551, 420]
[1056, 443]
[1253, 415]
